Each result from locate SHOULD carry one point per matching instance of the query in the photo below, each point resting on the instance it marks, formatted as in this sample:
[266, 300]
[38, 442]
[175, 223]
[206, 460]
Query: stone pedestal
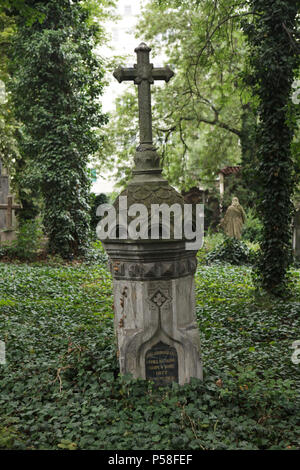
[296, 238]
[7, 236]
[154, 305]
[8, 220]
[4, 190]
[158, 338]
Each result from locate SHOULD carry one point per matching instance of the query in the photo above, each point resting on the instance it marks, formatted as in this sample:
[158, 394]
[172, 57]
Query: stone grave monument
[7, 209]
[154, 298]
[296, 235]
[4, 190]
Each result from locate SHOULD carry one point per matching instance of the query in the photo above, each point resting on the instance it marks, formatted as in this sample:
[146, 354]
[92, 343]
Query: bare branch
[293, 42]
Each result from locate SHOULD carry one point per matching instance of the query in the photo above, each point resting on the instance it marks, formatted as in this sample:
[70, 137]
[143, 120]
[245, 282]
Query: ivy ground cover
[60, 387]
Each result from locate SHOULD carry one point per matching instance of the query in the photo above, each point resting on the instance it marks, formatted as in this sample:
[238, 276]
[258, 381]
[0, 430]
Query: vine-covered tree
[14, 160]
[57, 82]
[273, 37]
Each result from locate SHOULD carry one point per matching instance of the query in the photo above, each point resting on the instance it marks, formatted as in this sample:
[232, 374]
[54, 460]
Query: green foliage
[273, 64]
[26, 8]
[8, 125]
[120, 137]
[236, 186]
[250, 162]
[10, 130]
[10, 438]
[95, 253]
[252, 229]
[56, 88]
[60, 387]
[27, 243]
[95, 201]
[211, 241]
[231, 251]
[212, 211]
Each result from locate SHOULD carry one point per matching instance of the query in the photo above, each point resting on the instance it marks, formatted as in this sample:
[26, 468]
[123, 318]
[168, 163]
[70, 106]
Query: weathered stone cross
[10, 206]
[143, 74]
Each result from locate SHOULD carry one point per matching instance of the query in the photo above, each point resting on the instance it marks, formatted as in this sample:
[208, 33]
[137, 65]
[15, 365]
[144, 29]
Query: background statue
[234, 219]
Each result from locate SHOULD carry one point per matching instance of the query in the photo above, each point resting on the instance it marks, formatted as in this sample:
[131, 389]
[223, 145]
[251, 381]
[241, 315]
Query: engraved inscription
[162, 364]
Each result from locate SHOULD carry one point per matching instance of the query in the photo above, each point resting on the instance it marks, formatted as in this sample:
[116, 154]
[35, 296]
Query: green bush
[95, 201]
[9, 436]
[95, 253]
[231, 251]
[28, 240]
[252, 230]
[27, 243]
[211, 241]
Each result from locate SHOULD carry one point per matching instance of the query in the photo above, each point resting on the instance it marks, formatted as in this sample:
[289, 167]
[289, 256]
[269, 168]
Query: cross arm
[15, 207]
[122, 74]
[162, 73]
[10, 205]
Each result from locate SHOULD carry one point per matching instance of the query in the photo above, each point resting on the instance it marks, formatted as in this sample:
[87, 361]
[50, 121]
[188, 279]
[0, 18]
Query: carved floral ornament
[156, 270]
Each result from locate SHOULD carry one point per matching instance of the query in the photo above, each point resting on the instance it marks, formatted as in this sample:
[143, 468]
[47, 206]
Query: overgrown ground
[60, 387]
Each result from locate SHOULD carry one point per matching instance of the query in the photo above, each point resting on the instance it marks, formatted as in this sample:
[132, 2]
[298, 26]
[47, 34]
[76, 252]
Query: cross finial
[144, 74]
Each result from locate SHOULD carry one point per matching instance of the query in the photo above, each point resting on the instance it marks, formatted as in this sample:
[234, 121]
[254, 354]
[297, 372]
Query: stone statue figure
[234, 219]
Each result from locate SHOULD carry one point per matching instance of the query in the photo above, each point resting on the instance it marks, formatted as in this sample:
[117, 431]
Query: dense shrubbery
[30, 245]
[252, 229]
[60, 388]
[95, 201]
[95, 253]
[231, 251]
[27, 244]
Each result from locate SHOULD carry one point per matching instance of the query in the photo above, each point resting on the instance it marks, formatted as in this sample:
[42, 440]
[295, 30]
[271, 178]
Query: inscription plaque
[162, 364]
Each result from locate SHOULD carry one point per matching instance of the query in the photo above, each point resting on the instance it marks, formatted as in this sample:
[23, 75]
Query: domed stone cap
[148, 193]
[142, 47]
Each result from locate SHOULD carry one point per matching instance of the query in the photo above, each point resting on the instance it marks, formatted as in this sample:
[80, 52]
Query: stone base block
[7, 236]
[157, 334]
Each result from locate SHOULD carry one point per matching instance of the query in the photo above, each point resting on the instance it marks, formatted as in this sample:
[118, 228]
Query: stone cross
[9, 207]
[144, 74]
